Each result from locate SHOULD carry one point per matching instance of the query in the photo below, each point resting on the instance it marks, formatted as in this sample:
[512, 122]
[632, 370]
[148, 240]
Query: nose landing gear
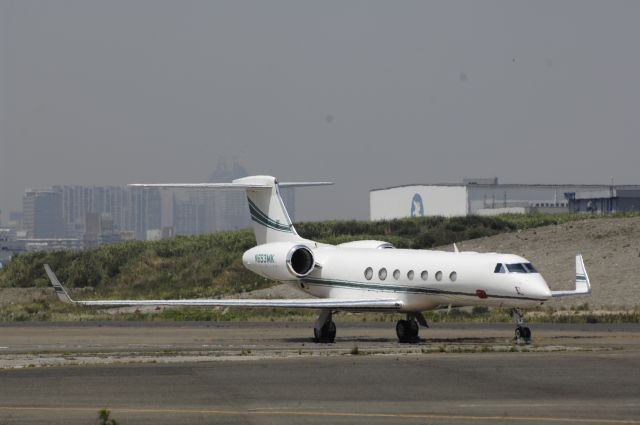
[523, 333]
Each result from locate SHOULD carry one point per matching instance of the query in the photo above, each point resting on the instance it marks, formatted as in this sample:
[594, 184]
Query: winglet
[57, 286]
[455, 248]
[583, 285]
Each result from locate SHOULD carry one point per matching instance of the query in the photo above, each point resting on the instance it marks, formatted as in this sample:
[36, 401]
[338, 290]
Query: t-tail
[271, 221]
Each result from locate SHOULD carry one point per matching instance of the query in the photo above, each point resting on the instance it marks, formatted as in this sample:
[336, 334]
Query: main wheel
[330, 331]
[526, 334]
[326, 334]
[403, 330]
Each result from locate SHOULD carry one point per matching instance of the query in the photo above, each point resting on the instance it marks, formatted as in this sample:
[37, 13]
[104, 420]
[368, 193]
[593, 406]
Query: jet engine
[280, 260]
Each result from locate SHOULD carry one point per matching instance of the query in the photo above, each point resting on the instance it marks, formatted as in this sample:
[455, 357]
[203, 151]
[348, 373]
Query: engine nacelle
[280, 260]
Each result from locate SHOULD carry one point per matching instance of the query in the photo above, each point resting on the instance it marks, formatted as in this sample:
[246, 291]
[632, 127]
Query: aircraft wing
[312, 303]
[583, 285]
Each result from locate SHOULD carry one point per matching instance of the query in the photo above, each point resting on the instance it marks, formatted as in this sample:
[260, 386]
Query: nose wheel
[523, 333]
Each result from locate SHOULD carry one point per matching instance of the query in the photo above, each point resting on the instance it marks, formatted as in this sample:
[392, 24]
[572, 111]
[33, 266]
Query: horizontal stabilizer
[221, 186]
[240, 184]
[583, 285]
[304, 184]
[312, 303]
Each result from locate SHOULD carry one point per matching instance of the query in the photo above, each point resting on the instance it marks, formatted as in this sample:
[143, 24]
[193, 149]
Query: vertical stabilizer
[271, 221]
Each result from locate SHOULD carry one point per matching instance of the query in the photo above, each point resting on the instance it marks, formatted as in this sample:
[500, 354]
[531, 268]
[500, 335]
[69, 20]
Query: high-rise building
[77, 201]
[43, 214]
[146, 206]
[190, 215]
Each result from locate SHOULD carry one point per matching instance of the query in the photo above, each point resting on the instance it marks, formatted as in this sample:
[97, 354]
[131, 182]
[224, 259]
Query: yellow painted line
[222, 412]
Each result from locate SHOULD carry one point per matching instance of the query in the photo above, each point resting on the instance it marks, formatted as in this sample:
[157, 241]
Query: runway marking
[222, 412]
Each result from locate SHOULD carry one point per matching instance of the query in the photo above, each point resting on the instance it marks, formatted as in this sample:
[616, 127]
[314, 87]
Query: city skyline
[110, 213]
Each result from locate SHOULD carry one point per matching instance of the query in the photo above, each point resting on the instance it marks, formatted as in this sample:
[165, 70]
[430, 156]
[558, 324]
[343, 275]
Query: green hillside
[210, 265]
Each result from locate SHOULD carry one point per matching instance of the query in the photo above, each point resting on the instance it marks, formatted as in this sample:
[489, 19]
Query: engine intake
[300, 260]
[280, 260]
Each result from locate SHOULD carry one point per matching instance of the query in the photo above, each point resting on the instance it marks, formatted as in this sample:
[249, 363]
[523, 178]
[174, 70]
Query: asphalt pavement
[571, 374]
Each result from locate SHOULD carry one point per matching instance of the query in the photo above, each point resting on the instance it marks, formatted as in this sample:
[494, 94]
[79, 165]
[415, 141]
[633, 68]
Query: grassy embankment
[210, 266]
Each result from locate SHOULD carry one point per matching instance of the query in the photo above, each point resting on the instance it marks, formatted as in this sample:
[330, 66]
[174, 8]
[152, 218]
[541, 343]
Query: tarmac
[271, 373]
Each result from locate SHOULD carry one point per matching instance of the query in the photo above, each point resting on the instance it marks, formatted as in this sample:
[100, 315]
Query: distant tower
[43, 214]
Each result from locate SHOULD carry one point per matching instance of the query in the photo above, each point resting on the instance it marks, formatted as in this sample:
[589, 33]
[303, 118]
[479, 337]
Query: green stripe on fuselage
[402, 289]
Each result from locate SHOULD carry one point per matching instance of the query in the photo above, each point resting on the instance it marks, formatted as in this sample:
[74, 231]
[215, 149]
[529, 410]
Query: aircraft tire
[518, 335]
[523, 334]
[327, 333]
[403, 331]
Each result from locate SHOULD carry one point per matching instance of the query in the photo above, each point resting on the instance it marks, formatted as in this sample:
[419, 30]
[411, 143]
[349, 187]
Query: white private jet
[366, 275]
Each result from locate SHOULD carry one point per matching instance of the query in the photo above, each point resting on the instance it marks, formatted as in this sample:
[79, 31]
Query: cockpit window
[499, 268]
[516, 268]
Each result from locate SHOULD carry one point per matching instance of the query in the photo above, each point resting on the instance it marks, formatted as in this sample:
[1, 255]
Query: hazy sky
[367, 94]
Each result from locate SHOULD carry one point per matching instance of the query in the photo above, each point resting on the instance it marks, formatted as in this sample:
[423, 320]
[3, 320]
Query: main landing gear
[324, 329]
[408, 329]
[523, 333]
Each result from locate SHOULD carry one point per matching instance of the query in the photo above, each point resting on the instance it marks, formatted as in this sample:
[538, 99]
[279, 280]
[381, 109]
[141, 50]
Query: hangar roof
[519, 185]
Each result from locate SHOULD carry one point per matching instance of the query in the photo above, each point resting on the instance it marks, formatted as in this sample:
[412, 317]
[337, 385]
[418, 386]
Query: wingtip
[57, 286]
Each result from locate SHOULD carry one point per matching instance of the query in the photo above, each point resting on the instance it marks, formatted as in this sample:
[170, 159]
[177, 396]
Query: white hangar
[474, 197]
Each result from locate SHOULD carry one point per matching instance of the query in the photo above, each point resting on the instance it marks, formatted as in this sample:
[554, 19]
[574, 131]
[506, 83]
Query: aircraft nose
[542, 289]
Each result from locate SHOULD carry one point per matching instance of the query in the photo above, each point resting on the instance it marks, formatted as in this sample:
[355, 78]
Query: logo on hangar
[417, 207]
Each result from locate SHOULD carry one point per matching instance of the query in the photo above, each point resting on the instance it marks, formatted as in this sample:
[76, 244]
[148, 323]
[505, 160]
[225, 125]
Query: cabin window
[410, 275]
[424, 275]
[499, 268]
[368, 273]
[396, 274]
[438, 275]
[453, 276]
[382, 274]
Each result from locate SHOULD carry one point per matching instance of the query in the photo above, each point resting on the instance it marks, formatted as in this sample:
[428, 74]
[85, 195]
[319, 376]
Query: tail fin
[271, 222]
